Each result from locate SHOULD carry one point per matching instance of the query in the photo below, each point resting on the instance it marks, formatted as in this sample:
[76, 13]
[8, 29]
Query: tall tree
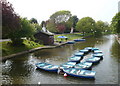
[116, 23]
[33, 20]
[56, 19]
[71, 23]
[60, 16]
[86, 25]
[10, 20]
[27, 30]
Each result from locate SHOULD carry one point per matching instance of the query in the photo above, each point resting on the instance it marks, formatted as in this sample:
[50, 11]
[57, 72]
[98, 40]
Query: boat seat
[47, 66]
[78, 72]
[72, 71]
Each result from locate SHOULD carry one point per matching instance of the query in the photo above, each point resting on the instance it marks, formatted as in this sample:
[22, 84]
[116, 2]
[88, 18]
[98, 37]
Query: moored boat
[88, 48]
[47, 67]
[70, 42]
[79, 54]
[74, 59]
[93, 59]
[100, 55]
[93, 49]
[83, 65]
[85, 51]
[78, 40]
[67, 65]
[97, 51]
[79, 73]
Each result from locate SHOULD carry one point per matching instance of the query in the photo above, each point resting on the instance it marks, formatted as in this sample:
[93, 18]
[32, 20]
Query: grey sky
[42, 9]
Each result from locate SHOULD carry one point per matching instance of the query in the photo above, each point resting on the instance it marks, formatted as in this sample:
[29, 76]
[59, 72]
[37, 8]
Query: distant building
[119, 6]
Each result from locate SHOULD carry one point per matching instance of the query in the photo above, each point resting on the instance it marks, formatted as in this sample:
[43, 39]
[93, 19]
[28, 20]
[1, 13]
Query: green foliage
[51, 26]
[37, 26]
[60, 16]
[71, 23]
[33, 20]
[56, 19]
[8, 49]
[31, 44]
[27, 30]
[99, 28]
[116, 23]
[70, 36]
[86, 25]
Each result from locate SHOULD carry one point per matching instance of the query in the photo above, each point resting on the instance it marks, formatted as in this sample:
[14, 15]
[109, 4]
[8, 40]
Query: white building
[119, 6]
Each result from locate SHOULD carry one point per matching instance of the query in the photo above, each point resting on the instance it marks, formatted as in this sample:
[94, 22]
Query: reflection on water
[21, 70]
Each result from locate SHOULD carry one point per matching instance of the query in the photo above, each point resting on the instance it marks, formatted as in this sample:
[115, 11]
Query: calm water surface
[21, 69]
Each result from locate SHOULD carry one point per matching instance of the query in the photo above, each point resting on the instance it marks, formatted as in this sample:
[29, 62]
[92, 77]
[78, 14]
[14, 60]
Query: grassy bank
[8, 49]
[70, 36]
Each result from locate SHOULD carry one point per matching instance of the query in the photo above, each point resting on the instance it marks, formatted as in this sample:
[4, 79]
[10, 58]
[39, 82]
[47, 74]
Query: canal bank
[30, 51]
[40, 48]
[117, 38]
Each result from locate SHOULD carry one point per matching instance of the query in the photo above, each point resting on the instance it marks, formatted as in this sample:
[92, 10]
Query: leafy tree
[10, 20]
[116, 23]
[51, 26]
[27, 30]
[60, 16]
[86, 25]
[37, 26]
[33, 20]
[56, 19]
[99, 28]
[71, 23]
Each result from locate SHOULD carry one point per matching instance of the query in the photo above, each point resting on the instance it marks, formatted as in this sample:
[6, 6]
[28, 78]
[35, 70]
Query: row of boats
[75, 40]
[77, 65]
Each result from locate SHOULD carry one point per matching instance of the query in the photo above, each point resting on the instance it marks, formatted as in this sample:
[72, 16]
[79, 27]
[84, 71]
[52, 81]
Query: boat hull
[46, 69]
[80, 75]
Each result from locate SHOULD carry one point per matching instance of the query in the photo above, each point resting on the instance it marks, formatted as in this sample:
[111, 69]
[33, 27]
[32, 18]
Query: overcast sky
[42, 9]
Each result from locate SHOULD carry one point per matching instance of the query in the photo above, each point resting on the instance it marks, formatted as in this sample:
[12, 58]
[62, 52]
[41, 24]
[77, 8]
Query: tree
[99, 28]
[60, 16]
[56, 19]
[33, 20]
[86, 25]
[116, 23]
[27, 30]
[51, 26]
[71, 23]
[10, 20]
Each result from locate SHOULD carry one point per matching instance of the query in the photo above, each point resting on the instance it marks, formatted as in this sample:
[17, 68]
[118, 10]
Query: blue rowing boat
[78, 40]
[79, 73]
[79, 54]
[99, 55]
[70, 42]
[88, 48]
[84, 65]
[67, 65]
[97, 51]
[85, 51]
[93, 49]
[93, 59]
[47, 67]
[74, 59]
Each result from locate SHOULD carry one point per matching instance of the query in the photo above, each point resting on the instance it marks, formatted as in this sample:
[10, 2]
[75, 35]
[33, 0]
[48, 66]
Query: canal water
[22, 70]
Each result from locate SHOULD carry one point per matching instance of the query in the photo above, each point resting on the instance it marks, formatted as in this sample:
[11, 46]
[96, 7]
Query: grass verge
[70, 36]
[8, 49]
